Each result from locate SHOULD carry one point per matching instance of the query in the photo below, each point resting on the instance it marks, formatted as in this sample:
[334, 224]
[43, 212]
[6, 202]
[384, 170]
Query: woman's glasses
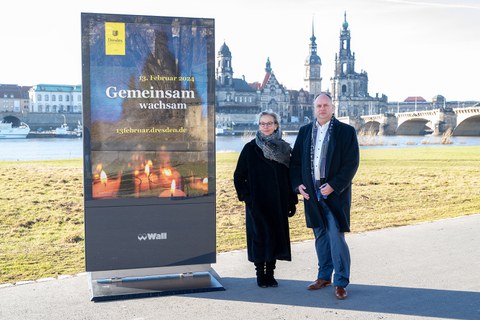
[266, 124]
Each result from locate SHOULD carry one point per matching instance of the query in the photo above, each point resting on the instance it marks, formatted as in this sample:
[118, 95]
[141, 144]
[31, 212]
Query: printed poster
[149, 143]
[149, 107]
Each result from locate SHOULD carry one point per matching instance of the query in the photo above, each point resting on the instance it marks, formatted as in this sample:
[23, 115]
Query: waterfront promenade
[423, 271]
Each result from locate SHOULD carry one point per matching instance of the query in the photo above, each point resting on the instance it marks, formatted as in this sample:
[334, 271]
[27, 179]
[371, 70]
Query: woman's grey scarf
[273, 147]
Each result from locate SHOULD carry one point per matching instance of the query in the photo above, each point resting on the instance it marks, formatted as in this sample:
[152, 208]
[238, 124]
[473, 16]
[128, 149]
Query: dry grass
[393, 187]
[41, 204]
[41, 210]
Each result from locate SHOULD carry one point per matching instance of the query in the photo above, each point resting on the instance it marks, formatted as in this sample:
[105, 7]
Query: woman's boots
[270, 266]
[261, 279]
[265, 274]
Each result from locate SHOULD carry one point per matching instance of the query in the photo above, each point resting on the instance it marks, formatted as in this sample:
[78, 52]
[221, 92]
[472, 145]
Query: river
[236, 143]
[61, 149]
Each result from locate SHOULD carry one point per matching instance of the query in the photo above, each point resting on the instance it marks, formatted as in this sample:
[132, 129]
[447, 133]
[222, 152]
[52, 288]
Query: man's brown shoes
[318, 284]
[340, 293]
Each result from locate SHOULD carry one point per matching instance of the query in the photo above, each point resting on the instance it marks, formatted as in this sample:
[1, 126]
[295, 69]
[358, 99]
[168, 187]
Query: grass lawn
[41, 204]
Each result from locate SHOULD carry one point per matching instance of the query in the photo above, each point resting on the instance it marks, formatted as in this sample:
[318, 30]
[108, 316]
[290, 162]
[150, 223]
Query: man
[324, 161]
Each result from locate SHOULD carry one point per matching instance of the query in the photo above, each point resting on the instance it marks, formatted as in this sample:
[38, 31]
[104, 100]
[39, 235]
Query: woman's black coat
[343, 158]
[265, 187]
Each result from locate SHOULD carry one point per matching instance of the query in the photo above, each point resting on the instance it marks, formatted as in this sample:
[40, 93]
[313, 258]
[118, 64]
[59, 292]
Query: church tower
[349, 88]
[313, 64]
[224, 71]
[345, 60]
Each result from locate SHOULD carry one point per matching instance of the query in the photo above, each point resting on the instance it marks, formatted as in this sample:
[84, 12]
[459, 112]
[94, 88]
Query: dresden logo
[114, 33]
[152, 236]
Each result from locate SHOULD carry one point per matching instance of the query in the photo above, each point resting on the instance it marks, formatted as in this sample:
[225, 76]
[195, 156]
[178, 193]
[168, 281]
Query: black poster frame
[148, 218]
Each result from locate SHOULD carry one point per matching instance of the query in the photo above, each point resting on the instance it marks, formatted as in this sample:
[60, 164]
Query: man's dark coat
[342, 162]
[264, 185]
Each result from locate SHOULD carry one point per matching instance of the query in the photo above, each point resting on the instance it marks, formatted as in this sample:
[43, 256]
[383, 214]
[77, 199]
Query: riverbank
[41, 205]
[58, 148]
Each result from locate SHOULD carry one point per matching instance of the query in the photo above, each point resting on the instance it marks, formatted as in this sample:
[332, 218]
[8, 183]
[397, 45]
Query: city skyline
[408, 48]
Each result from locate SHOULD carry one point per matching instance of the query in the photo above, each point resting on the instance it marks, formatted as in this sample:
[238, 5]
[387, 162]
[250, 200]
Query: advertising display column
[149, 154]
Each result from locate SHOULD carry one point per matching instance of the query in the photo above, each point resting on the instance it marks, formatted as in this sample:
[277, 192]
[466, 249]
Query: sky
[407, 47]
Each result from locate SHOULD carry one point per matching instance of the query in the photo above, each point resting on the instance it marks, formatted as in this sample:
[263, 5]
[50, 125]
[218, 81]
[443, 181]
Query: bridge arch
[468, 127]
[370, 128]
[415, 126]
[13, 120]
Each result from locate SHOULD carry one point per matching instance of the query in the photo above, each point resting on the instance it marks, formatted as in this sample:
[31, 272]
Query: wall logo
[152, 236]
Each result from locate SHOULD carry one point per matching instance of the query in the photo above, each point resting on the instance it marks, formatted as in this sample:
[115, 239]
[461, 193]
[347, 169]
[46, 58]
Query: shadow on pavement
[361, 297]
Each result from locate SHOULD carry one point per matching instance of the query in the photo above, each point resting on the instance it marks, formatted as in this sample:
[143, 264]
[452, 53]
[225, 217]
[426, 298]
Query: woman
[262, 180]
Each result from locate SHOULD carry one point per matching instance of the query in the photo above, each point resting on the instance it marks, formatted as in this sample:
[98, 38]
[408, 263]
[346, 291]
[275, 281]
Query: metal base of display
[166, 282]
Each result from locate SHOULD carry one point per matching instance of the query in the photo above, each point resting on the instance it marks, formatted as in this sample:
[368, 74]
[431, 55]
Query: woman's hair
[269, 113]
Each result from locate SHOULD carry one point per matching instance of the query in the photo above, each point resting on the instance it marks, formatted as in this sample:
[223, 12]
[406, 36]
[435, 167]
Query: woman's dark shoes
[265, 274]
[269, 267]
[260, 271]
[271, 282]
[262, 281]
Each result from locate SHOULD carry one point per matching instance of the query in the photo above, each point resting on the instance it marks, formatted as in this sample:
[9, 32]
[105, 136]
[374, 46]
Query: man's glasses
[266, 124]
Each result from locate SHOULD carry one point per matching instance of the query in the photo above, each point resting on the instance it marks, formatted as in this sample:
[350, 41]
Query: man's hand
[325, 190]
[301, 189]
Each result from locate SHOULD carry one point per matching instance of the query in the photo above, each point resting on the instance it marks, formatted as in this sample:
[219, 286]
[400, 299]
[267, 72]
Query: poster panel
[149, 148]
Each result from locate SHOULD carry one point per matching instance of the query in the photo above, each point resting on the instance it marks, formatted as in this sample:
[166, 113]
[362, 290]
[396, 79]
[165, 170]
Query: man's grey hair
[327, 94]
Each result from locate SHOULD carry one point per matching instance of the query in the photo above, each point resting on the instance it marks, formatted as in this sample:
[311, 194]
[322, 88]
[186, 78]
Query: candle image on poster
[148, 86]
[149, 111]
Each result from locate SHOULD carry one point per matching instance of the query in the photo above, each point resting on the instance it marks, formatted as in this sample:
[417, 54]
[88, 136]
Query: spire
[345, 23]
[313, 32]
[313, 45]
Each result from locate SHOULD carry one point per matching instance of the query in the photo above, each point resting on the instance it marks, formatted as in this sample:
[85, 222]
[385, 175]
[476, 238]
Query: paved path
[428, 270]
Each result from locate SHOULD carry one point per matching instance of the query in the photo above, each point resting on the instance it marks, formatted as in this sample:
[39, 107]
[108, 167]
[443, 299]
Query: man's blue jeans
[332, 251]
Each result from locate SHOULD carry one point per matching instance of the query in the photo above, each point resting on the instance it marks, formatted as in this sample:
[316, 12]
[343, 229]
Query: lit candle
[165, 178]
[173, 191]
[200, 184]
[103, 178]
[172, 188]
[103, 187]
[167, 175]
[142, 183]
[147, 172]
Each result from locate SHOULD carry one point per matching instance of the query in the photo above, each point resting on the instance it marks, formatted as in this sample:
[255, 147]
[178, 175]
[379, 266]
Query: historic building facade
[52, 98]
[14, 98]
[301, 106]
[349, 88]
[417, 103]
[235, 100]
[238, 101]
[272, 95]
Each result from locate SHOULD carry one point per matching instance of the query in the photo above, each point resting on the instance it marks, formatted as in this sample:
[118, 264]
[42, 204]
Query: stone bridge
[461, 122]
[45, 121]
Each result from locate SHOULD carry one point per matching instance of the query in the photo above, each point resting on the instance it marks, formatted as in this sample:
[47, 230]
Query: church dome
[225, 51]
